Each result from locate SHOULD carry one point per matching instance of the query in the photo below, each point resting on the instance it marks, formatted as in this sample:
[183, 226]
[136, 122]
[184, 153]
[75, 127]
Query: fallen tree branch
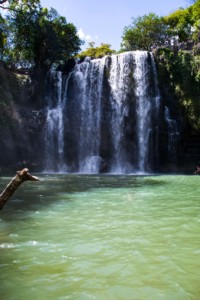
[20, 177]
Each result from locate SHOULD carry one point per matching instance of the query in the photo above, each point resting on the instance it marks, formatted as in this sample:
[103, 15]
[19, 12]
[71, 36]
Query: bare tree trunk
[20, 177]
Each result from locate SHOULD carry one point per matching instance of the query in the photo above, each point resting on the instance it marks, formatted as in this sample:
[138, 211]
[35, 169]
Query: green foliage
[96, 52]
[196, 49]
[182, 72]
[35, 36]
[144, 33]
[18, 4]
[150, 31]
[179, 24]
[42, 37]
[194, 11]
[185, 23]
[3, 37]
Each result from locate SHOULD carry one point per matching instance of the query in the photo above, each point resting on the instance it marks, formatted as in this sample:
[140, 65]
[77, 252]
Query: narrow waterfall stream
[120, 73]
[104, 116]
[54, 132]
[90, 77]
[143, 108]
[173, 134]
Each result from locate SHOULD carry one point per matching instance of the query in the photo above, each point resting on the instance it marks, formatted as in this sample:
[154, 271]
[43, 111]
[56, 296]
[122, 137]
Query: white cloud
[82, 35]
[88, 37]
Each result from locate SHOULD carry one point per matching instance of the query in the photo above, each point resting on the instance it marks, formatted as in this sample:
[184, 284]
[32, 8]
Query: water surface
[101, 237]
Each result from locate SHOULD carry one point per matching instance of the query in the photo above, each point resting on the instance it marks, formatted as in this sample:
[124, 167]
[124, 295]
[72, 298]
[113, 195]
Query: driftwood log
[20, 177]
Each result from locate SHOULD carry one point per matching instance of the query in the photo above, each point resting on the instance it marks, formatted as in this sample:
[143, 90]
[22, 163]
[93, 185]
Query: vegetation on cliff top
[96, 52]
[32, 36]
[151, 31]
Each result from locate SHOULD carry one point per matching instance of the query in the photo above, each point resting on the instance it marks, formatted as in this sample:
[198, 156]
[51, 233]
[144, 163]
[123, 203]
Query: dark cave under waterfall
[103, 116]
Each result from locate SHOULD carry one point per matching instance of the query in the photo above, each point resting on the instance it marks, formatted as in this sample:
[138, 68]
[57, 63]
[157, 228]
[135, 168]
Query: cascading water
[119, 73]
[54, 140]
[90, 77]
[156, 109]
[109, 121]
[143, 108]
[173, 134]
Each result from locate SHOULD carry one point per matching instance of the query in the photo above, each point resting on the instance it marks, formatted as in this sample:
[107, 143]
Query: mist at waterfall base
[103, 116]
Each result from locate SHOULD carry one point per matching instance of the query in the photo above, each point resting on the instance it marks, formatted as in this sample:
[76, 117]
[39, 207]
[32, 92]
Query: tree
[144, 33]
[185, 23]
[3, 37]
[179, 23]
[191, 1]
[91, 44]
[18, 4]
[6, 43]
[96, 52]
[194, 11]
[41, 37]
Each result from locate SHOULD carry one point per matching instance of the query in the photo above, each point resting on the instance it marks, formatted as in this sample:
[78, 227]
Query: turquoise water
[101, 237]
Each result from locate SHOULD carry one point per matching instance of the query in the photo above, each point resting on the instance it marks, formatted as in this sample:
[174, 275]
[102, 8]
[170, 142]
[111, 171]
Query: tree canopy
[179, 24]
[144, 33]
[185, 23]
[36, 36]
[151, 30]
[96, 52]
[3, 37]
[18, 4]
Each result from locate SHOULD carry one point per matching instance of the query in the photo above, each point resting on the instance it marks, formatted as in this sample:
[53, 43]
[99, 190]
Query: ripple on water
[103, 238]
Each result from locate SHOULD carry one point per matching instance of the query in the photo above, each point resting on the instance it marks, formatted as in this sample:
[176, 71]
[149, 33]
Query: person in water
[197, 172]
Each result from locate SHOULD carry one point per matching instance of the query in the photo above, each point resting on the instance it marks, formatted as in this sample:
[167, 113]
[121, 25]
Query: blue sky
[103, 21]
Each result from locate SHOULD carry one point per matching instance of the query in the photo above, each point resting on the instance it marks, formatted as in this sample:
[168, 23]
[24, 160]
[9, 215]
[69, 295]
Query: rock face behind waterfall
[108, 111]
[101, 115]
[21, 123]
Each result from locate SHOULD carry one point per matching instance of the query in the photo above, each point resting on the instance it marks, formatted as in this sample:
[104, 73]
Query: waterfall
[157, 109]
[88, 76]
[54, 138]
[173, 134]
[89, 160]
[132, 69]
[143, 109]
[120, 73]
[103, 116]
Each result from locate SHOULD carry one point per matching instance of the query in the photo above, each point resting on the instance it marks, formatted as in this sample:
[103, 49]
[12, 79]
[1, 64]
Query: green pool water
[101, 237]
